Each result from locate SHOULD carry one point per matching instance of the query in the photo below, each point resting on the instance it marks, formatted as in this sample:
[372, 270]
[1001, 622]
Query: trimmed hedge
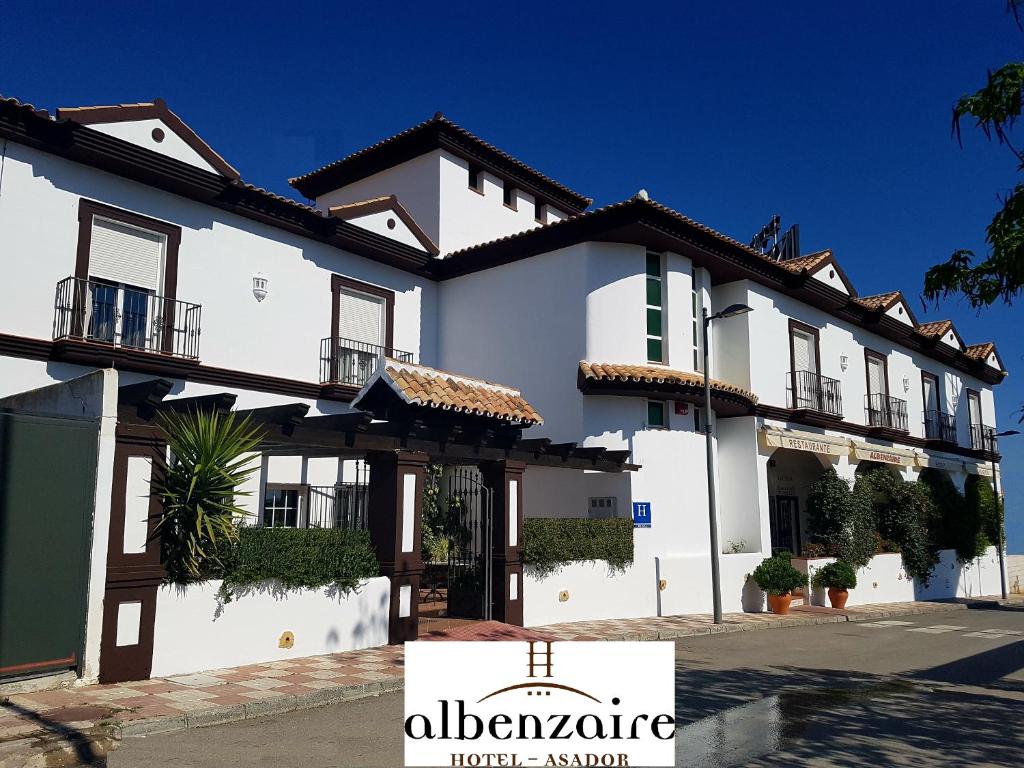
[299, 557]
[551, 542]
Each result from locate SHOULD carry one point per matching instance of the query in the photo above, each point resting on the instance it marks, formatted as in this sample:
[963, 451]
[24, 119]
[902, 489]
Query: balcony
[91, 318]
[984, 439]
[812, 392]
[887, 412]
[351, 363]
[940, 427]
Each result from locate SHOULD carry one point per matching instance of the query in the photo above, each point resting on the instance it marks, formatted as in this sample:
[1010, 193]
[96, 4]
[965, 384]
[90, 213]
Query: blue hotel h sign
[641, 514]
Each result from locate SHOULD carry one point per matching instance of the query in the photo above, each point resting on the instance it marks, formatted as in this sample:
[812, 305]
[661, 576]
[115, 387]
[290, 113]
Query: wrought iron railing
[887, 411]
[338, 506]
[126, 317]
[345, 361]
[984, 438]
[812, 391]
[940, 426]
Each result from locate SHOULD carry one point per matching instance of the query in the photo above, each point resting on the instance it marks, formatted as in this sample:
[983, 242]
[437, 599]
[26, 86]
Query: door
[47, 495]
[361, 335]
[470, 534]
[784, 519]
[878, 391]
[807, 388]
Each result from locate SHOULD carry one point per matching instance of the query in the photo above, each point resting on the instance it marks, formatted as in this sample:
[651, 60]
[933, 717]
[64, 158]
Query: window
[974, 408]
[929, 391]
[805, 384]
[656, 416]
[126, 270]
[696, 303]
[362, 322]
[602, 507]
[282, 505]
[878, 384]
[474, 178]
[508, 196]
[538, 211]
[655, 313]
[698, 420]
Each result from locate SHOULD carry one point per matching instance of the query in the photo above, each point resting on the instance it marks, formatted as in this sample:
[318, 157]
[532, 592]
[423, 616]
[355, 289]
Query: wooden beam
[222, 401]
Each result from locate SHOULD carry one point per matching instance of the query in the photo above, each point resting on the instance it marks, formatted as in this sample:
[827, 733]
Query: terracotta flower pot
[779, 603]
[838, 597]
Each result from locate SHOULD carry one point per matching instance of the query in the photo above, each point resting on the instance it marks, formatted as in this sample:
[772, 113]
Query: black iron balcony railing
[125, 317]
[344, 361]
[940, 426]
[812, 391]
[886, 411]
[984, 438]
[338, 506]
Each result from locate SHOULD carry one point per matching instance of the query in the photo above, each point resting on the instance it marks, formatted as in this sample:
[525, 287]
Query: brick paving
[226, 695]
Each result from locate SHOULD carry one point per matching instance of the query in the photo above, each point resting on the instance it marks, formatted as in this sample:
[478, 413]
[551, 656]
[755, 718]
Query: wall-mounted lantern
[259, 286]
[906, 383]
[844, 361]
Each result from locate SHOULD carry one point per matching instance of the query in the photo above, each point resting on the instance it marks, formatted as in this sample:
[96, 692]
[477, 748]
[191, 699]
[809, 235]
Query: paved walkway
[85, 719]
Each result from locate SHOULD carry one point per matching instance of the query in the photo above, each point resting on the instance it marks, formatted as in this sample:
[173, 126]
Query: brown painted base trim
[33, 666]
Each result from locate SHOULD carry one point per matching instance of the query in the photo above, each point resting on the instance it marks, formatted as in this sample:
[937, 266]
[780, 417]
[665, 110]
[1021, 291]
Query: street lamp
[999, 516]
[716, 587]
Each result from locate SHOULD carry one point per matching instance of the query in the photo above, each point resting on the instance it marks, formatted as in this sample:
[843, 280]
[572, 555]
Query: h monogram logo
[540, 659]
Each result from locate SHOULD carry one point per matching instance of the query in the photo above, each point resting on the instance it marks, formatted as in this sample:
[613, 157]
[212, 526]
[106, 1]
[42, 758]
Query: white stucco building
[134, 246]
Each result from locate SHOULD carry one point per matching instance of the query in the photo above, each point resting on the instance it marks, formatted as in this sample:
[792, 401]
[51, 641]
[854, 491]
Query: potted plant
[838, 577]
[777, 576]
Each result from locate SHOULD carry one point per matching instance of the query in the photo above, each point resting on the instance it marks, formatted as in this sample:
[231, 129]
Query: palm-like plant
[210, 458]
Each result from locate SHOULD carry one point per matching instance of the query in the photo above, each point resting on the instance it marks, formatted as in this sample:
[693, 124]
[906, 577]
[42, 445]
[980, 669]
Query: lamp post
[716, 587]
[999, 517]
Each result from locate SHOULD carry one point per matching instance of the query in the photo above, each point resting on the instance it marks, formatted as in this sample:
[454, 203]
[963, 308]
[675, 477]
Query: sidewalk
[84, 721]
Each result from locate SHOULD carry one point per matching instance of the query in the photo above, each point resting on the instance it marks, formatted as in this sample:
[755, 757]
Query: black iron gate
[469, 528]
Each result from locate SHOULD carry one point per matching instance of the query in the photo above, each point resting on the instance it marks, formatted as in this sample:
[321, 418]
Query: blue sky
[836, 116]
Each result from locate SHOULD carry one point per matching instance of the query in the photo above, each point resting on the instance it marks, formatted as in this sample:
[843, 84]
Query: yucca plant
[210, 458]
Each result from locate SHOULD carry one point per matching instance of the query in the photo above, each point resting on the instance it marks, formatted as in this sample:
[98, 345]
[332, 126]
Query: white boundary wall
[883, 580]
[195, 632]
[595, 592]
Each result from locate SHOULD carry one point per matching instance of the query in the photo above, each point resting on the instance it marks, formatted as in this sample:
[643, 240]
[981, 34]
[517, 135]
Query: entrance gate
[469, 528]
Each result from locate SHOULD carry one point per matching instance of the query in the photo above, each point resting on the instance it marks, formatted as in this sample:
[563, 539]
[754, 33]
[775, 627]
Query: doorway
[457, 552]
[784, 520]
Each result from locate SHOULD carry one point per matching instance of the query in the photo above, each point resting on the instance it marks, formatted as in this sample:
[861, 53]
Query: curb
[260, 708]
[327, 696]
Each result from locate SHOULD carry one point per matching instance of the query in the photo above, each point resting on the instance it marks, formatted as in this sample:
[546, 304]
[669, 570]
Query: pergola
[397, 437]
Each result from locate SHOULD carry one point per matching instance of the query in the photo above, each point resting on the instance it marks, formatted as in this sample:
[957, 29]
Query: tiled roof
[433, 388]
[656, 375]
[808, 262]
[980, 351]
[439, 120]
[937, 328]
[879, 301]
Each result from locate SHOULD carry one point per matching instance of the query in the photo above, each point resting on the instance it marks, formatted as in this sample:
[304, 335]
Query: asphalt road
[832, 695]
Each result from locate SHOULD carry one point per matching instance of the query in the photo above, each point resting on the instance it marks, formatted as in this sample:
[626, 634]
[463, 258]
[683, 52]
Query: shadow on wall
[372, 623]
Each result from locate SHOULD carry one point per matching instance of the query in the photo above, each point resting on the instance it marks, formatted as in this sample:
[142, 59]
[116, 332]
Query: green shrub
[842, 520]
[777, 576]
[903, 511]
[837, 575]
[984, 512]
[551, 542]
[299, 558]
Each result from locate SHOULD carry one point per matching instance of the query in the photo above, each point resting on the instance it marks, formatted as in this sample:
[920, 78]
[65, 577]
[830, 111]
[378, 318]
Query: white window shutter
[361, 317]
[876, 385]
[803, 352]
[125, 254]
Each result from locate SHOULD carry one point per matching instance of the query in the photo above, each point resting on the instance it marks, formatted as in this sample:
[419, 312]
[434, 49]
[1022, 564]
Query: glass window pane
[654, 350]
[654, 292]
[654, 264]
[654, 322]
[655, 413]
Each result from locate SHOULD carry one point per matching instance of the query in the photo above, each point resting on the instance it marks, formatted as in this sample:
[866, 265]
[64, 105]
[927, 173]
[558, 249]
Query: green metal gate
[47, 491]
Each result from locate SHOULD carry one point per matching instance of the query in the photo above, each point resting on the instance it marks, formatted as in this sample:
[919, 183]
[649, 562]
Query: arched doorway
[790, 476]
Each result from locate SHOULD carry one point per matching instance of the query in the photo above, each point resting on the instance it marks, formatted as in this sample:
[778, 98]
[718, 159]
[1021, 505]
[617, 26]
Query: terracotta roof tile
[439, 120]
[808, 262]
[434, 388]
[879, 301]
[937, 328]
[655, 375]
[980, 351]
